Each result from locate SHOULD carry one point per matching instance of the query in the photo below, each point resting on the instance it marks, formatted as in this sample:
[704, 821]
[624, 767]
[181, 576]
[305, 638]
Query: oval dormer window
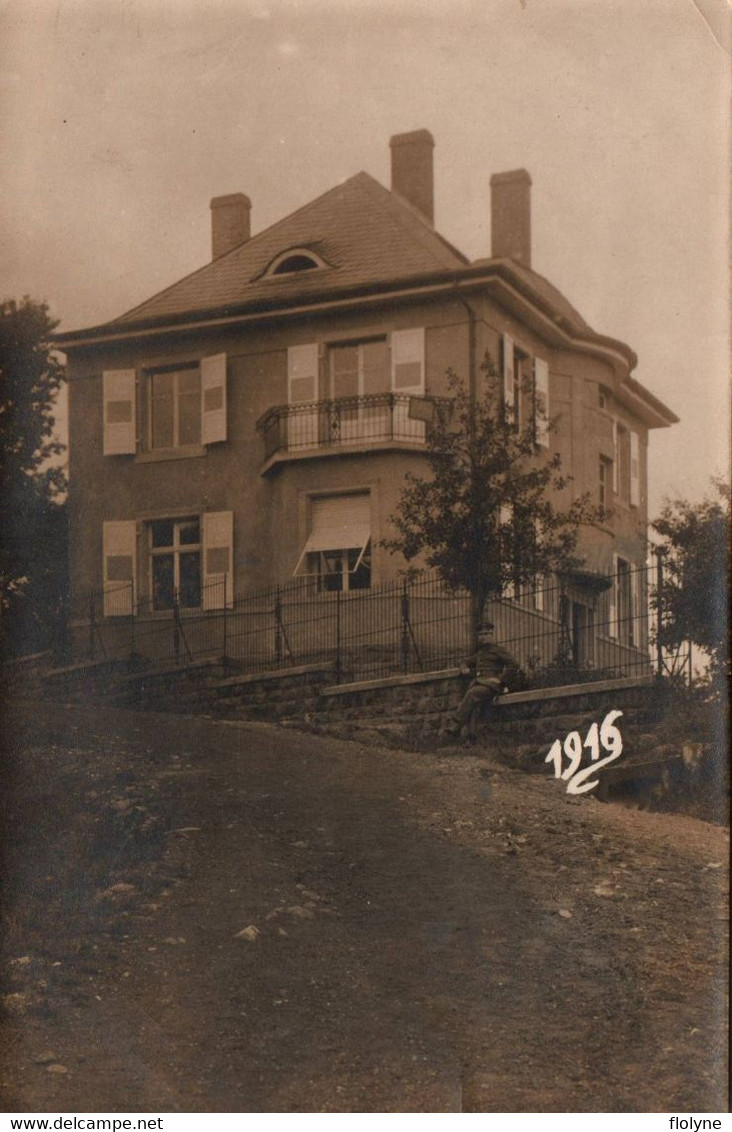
[294, 261]
[297, 262]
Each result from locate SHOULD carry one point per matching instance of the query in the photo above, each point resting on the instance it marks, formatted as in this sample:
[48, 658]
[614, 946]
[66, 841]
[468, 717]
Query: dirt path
[429, 934]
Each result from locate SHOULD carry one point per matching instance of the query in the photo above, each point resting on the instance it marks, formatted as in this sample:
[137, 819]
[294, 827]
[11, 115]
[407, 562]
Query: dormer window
[293, 262]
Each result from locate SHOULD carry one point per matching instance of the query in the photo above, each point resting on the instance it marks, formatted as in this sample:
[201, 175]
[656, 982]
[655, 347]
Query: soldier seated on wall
[493, 668]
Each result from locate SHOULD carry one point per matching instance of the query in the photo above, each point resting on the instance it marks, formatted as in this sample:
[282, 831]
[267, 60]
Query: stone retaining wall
[211, 689]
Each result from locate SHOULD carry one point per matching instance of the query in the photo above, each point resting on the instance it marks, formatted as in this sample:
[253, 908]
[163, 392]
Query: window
[603, 397]
[293, 261]
[627, 464]
[358, 369]
[175, 408]
[192, 556]
[622, 458]
[175, 563]
[342, 570]
[606, 481]
[185, 406]
[541, 402]
[337, 551]
[513, 362]
[624, 601]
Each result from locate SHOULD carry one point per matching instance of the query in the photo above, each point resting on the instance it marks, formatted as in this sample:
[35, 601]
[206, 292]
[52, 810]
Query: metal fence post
[176, 626]
[278, 627]
[226, 607]
[659, 612]
[133, 636]
[338, 638]
[92, 627]
[405, 628]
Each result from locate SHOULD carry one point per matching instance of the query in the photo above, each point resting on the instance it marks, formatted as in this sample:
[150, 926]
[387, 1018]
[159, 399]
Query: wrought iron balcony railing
[378, 419]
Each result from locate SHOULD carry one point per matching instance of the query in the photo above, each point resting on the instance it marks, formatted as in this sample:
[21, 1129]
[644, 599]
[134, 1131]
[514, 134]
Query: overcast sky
[120, 119]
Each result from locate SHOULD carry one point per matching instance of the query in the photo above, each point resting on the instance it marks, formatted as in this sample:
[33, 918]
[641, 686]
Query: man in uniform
[490, 666]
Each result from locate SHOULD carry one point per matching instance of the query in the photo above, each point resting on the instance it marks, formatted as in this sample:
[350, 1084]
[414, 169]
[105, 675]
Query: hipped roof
[371, 241]
[364, 233]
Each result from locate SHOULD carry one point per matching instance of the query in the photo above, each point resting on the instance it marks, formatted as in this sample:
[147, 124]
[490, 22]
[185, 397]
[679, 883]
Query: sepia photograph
[365, 432]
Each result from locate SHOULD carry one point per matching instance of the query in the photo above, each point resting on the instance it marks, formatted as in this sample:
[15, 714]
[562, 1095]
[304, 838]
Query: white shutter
[634, 469]
[612, 602]
[119, 549]
[302, 386]
[213, 398]
[541, 391]
[218, 553]
[635, 583]
[539, 594]
[407, 360]
[120, 427]
[302, 373]
[616, 461]
[505, 515]
[509, 380]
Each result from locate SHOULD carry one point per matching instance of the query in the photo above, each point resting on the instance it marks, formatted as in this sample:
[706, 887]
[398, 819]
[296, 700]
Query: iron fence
[323, 424]
[559, 631]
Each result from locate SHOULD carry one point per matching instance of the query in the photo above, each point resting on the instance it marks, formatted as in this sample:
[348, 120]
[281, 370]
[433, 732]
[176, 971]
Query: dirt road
[420, 933]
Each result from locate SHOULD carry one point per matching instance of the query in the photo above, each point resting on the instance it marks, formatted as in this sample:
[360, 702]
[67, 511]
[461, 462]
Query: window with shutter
[506, 535]
[302, 373]
[623, 463]
[634, 454]
[302, 390]
[186, 405]
[213, 399]
[175, 563]
[120, 423]
[408, 377]
[175, 408]
[218, 556]
[358, 370]
[616, 477]
[509, 378]
[541, 402]
[637, 605]
[407, 360]
[624, 601]
[605, 482]
[119, 550]
[612, 602]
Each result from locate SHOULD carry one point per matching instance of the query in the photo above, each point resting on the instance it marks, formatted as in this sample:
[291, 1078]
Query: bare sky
[120, 119]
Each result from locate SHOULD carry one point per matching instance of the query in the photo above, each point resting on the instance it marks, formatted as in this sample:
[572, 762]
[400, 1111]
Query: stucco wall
[270, 506]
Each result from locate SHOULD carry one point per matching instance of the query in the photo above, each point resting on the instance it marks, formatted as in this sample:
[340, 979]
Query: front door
[582, 630]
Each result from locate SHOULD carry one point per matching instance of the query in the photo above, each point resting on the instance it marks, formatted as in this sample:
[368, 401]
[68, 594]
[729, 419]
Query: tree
[693, 597]
[484, 515]
[32, 511]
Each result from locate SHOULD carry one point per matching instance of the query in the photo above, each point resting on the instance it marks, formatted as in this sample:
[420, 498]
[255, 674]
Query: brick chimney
[230, 223]
[411, 170]
[511, 216]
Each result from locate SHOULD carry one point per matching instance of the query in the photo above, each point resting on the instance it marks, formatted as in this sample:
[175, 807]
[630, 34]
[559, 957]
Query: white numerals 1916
[607, 737]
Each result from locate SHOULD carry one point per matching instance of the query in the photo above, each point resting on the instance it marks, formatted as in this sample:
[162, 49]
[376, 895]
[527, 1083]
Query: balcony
[381, 420]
